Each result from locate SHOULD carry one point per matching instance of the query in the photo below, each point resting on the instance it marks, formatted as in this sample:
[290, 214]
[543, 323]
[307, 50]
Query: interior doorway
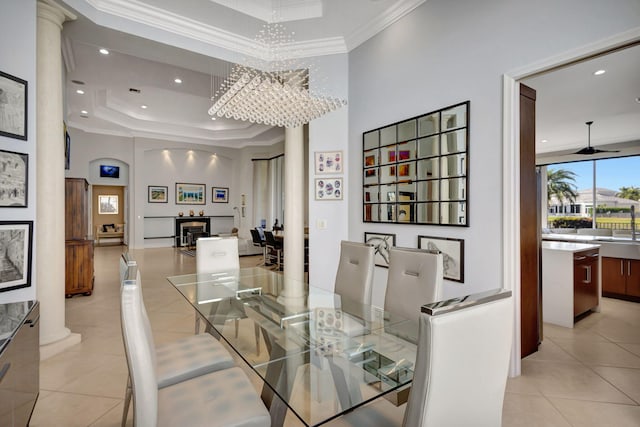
[108, 214]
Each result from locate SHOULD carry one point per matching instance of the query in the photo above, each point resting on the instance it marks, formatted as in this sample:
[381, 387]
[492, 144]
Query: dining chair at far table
[172, 366]
[354, 277]
[462, 363]
[221, 398]
[415, 278]
[274, 249]
[259, 243]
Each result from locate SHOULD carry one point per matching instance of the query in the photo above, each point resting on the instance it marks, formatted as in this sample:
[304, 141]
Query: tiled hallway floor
[587, 376]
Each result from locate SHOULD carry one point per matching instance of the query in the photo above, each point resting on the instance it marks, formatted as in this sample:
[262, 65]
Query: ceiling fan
[588, 150]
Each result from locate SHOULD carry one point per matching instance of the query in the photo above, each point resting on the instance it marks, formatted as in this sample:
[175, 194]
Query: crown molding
[287, 10]
[391, 15]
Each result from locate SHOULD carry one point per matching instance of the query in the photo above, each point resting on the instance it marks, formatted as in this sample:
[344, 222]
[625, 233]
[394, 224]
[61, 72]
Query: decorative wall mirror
[416, 171]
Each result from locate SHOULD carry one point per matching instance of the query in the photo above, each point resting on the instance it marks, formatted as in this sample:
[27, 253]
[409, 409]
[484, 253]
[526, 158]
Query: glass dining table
[323, 355]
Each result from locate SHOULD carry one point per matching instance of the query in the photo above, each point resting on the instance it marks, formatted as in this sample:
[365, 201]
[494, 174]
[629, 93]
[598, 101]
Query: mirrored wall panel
[417, 171]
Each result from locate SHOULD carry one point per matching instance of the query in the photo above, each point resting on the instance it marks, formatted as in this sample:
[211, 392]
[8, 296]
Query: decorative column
[294, 212]
[50, 194]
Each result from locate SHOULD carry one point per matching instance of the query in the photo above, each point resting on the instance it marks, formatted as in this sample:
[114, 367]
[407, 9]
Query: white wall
[18, 58]
[448, 52]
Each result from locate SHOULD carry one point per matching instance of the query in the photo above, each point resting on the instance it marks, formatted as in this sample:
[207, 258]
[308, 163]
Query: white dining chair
[461, 369]
[415, 278]
[220, 255]
[354, 277]
[221, 398]
[178, 360]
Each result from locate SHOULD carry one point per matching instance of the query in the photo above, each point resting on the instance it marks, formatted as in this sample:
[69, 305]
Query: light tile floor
[586, 376]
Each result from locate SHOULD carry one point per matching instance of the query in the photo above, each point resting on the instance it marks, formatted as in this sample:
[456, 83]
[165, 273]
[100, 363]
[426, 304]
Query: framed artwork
[13, 179]
[219, 195]
[108, 204]
[13, 106]
[16, 244]
[329, 189]
[382, 242]
[158, 194]
[190, 194]
[328, 161]
[452, 253]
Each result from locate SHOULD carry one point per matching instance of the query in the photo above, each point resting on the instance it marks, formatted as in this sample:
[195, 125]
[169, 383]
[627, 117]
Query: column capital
[52, 11]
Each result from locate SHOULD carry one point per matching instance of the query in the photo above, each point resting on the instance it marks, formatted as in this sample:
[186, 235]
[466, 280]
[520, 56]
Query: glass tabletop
[322, 354]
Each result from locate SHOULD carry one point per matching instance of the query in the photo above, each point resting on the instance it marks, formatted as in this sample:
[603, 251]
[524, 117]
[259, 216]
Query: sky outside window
[611, 173]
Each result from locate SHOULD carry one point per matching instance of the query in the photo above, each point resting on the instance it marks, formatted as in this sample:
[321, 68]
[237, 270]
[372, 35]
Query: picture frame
[157, 194]
[14, 175]
[13, 106]
[382, 242]
[108, 204]
[16, 238]
[452, 252]
[330, 188]
[219, 195]
[190, 194]
[327, 162]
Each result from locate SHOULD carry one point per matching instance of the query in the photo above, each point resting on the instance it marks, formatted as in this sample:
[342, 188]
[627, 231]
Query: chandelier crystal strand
[273, 86]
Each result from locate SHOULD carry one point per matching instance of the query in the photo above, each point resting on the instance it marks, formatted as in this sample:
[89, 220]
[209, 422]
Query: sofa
[110, 232]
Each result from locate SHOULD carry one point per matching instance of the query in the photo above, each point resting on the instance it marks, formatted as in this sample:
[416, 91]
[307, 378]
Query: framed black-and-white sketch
[190, 194]
[158, 194]
[13, 106]
[328, 162]
[452, 253]
[15, 247]
[108, 204]
[13, 179]
[329, 189]
[382, 242]
[219, 195]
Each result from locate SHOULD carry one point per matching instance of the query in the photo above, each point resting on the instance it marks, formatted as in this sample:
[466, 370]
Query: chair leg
[257, 331]
[197, 324]
[127, 401]
[237, 325]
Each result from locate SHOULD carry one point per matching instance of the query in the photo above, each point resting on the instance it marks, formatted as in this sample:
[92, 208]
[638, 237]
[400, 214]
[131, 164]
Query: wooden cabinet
[621, 278]
[78, 250]
[585, 281]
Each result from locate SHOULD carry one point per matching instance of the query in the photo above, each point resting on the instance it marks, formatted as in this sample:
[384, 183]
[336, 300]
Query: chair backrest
[214, 254]
[255, 237]
[139, 349]
[354, 278]
[270, 240]
[415, 278]
[462, 362]
[125, 260]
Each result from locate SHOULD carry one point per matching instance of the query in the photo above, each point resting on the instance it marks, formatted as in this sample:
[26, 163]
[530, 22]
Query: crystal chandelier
[274, 90]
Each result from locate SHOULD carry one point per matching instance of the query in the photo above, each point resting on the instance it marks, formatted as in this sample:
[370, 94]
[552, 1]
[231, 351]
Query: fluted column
[294, 212]
[50, 194]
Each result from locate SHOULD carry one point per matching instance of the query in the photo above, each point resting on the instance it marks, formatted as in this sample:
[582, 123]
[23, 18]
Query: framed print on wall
[328, 161]
[452, 253]
[382, 242]
[158, 194]
[190, 194]
[108, 204]
[15, 243]
[329, 189]
[13, 106]
[13, 179]
[219, 195]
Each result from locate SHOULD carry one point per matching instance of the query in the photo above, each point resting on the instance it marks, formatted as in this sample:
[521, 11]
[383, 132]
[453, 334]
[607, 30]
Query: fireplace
[190, 226]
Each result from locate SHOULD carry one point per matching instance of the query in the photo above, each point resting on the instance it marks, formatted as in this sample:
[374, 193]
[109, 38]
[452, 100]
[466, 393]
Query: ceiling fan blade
[586, 151]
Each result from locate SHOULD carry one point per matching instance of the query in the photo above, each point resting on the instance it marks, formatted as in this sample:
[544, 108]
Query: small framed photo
[158, 194]
[329, 162]
[382, 243]
[190, 194]
[108, 204]
[13, 179]
[16, 244]
[329, 189]
[452, 253]
[219, 194]
[13, 106]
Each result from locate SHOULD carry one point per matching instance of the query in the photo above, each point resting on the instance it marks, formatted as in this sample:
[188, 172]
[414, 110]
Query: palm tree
[561, 184]
[632, 193]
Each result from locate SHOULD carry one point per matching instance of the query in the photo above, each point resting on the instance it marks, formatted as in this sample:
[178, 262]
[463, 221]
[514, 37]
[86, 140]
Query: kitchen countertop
[568, 246]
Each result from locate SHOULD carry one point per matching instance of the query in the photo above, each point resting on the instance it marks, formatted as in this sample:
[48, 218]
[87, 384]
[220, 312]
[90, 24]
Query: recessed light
[599, 72]
[213, 118]
[104, 51]
[144, 107]
[638, 100]
[80, 92]
[177, 80]
[544, 140]
[85, 112]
